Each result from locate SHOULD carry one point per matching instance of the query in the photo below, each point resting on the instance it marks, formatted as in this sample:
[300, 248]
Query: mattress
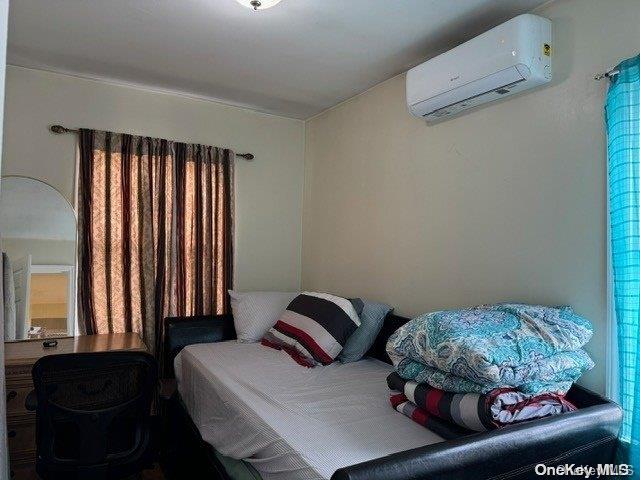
[289, 422]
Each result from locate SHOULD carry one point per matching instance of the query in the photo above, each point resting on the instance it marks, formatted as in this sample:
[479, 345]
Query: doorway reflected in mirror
[38, 228]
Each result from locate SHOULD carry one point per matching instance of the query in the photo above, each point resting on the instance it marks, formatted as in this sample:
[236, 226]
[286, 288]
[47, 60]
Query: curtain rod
[59, 129]
[608, 74]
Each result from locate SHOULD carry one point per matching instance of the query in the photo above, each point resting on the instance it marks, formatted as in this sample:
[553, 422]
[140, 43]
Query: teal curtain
[623, 148]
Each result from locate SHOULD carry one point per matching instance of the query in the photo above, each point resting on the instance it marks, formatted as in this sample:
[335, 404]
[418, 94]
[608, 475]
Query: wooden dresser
[19, 359]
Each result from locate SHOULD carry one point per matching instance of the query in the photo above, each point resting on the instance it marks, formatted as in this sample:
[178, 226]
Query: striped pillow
[314, 328]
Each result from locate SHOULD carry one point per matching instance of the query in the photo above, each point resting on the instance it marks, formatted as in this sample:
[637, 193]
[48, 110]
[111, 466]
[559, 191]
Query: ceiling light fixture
[258, 4]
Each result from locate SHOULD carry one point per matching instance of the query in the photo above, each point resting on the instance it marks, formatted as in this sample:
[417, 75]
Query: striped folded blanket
[473, 411]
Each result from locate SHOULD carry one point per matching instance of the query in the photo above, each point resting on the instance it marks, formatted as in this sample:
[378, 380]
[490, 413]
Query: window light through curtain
[155, 232]
[623, 147]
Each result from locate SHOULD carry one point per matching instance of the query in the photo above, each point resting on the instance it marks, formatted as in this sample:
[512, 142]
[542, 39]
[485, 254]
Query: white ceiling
[295, 59]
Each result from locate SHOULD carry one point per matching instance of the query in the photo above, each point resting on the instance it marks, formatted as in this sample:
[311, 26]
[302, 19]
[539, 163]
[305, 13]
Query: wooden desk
[19, 358]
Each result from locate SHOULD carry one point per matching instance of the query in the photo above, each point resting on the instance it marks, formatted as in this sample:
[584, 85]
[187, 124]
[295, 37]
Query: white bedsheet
[290, 422]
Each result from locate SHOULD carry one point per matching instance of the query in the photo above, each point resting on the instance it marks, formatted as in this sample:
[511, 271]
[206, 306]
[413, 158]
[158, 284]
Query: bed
[251, 403]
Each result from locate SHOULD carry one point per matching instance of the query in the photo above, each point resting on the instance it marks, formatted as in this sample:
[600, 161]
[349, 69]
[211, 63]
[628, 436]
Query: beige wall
[503, 203]
[268, 190]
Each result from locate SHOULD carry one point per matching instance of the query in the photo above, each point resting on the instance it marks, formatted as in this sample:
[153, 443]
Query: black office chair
[94, 415]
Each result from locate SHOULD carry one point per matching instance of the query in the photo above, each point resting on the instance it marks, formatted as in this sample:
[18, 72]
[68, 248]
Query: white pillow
[256, 312]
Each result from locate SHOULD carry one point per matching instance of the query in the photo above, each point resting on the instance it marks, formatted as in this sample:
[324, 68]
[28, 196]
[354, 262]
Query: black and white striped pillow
[314, 328]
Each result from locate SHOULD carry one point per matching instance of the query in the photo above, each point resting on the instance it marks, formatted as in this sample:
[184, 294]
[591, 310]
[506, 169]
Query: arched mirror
[38, 230]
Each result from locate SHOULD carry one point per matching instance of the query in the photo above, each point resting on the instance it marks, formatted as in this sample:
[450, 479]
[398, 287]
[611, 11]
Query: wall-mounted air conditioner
[507, 59]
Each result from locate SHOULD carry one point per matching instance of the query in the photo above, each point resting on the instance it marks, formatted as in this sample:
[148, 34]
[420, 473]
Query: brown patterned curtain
[155, 232]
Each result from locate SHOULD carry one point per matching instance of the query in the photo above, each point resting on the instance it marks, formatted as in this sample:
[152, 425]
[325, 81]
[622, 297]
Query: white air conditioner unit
[508, 59]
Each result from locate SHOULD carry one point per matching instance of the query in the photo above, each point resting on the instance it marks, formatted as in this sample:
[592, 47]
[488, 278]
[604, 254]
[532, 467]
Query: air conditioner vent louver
[473, 101]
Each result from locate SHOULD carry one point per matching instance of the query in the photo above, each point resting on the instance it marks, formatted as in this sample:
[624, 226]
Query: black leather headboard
[391, 324]
[182, 331]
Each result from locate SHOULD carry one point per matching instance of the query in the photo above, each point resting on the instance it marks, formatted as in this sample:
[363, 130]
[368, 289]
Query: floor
[155, 474]
[30, 474]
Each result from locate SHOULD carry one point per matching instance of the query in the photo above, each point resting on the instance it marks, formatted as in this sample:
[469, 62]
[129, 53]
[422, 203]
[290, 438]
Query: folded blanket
[471, 410]
[506, 345]
[554, 374]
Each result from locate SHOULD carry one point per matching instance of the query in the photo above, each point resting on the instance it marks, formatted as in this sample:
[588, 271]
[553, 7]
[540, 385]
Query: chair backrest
[93, 410]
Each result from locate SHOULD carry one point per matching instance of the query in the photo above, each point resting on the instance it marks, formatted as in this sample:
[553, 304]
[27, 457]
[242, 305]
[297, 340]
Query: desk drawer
[22, 441]
[21, 373]
[16, 395]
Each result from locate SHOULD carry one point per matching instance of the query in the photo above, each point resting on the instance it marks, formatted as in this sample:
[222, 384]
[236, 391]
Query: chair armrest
[584, 437]
[31, 402]
[182, 331]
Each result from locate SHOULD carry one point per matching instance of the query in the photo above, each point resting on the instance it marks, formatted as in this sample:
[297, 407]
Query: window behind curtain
[155, 232]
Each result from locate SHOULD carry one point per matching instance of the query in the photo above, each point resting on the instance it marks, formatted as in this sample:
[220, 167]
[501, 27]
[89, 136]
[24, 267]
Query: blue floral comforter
[535, 349]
